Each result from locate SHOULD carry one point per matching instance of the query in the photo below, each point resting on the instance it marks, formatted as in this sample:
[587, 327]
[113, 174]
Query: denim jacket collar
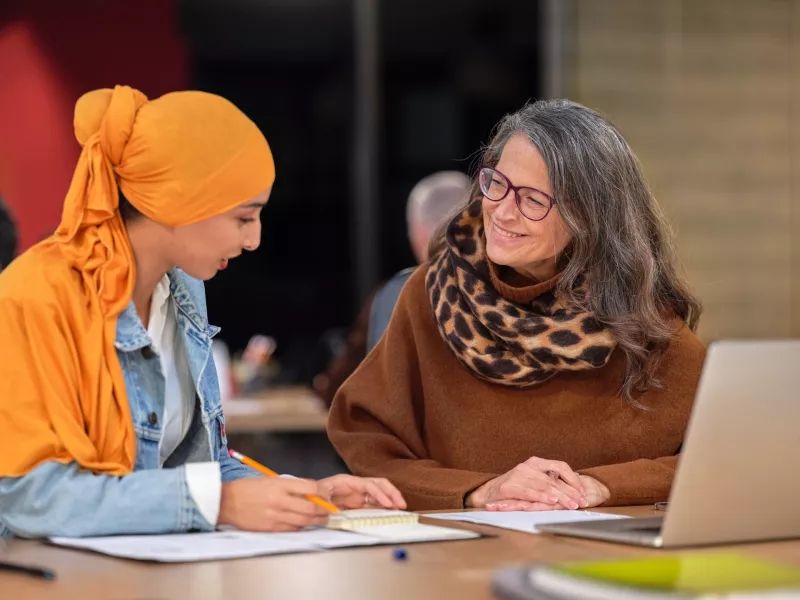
[131, 334]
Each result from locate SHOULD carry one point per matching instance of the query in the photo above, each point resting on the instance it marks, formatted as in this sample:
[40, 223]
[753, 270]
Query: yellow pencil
[322, 503]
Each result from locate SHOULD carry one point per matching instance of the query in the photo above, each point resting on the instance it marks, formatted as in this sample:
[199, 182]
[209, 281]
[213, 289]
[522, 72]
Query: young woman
[110, 416]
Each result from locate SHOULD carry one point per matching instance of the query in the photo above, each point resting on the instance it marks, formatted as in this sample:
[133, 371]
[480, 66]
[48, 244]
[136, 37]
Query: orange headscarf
[182, 158]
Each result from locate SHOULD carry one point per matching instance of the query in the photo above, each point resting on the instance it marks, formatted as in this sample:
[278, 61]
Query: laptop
[737, 478]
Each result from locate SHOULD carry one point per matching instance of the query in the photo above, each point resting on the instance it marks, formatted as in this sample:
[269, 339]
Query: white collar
[160, 295]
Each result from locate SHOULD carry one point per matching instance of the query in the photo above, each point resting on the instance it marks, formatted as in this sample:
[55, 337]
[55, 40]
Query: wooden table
[288, 409]
[461, 570]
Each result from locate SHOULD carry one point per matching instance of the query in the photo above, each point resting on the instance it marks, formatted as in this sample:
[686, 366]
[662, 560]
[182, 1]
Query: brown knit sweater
[412, 413]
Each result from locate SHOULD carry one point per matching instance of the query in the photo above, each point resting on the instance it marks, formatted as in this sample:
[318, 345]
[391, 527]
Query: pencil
[28, 570]
[322, 503]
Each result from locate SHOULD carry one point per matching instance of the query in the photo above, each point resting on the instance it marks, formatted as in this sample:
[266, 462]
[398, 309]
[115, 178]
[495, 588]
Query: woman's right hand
[270, 504]
[532, 481]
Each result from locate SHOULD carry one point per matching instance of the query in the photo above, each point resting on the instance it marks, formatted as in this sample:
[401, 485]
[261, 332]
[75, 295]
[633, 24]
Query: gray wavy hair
[621, 239]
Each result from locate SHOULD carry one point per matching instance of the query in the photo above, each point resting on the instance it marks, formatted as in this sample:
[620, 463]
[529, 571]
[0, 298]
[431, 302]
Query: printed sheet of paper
[524, 521]
[220, 545]
[217, 545]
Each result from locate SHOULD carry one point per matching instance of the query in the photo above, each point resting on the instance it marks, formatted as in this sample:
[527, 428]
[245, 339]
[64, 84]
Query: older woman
[545, 357]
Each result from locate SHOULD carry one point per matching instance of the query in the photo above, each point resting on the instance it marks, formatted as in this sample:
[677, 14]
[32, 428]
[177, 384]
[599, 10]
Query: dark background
[448, 73]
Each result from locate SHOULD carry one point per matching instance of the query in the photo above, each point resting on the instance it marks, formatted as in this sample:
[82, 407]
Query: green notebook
[681, 576]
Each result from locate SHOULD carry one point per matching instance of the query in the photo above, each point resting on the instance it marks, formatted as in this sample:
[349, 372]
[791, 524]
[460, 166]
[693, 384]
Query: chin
[504, 258]
[500, 257]
[203, 274]
[493, 255]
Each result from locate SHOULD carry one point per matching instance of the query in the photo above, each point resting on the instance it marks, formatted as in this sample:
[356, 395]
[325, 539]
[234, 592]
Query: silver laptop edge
[736, 479]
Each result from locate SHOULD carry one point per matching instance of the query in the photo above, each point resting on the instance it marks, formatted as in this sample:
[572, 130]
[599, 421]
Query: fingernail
[573, 505]
[584, 503]
[553, 500]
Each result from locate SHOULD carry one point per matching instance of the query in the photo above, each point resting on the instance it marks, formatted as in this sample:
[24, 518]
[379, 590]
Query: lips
[505, 233]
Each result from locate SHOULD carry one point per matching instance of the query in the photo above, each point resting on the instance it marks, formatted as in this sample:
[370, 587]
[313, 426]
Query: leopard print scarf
[501, 341]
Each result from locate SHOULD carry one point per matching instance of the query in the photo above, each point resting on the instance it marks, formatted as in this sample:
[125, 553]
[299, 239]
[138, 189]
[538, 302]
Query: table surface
[458, 569]
[282, 409]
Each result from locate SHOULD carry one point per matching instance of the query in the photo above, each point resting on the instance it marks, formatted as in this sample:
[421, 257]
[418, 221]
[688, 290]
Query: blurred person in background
[8, 236]
[546, 358]
[110, 413]
[432, 200]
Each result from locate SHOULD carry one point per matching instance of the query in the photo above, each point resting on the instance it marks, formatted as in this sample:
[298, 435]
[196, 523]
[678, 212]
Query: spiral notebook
[394, 526]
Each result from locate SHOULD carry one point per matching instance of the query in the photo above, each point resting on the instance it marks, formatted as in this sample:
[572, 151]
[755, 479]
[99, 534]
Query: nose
[506, 210]
[252, 237]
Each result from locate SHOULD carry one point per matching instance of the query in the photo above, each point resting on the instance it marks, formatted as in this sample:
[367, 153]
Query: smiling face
[529, 247]
[203, 248]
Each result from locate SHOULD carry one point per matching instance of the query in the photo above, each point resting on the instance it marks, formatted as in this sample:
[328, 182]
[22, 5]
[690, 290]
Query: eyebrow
[254, 205]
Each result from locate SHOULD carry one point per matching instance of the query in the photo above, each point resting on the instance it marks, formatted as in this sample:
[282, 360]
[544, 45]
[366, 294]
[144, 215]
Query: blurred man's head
[8, 237]
[431, 201]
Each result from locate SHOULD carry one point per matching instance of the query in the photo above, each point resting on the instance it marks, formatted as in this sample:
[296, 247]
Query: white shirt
[203, 479]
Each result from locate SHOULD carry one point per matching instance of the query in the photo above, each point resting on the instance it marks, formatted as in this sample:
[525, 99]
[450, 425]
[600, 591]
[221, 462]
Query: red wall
[49, 56]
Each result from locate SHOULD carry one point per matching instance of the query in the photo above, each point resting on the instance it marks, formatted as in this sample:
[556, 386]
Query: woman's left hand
[596, 494]
[348, 492]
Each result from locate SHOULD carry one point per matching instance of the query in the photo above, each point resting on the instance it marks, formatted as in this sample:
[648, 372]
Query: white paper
[524, 521]
[217, 545]
[220, 545]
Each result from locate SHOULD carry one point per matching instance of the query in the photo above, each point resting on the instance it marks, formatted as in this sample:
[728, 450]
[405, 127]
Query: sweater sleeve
[640, 481]
[649, 480]
[376, 424]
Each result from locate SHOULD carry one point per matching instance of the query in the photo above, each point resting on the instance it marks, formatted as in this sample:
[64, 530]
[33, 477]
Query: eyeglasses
[534, 204]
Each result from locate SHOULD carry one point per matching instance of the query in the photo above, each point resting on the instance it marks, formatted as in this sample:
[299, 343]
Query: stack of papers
[219, 545]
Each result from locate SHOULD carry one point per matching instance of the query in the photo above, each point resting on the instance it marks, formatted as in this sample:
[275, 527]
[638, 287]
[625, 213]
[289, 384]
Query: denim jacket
[58, 499]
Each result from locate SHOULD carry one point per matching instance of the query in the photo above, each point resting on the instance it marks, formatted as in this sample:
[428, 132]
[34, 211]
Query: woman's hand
[596, 494]
[348, 492]
[548, 484]
[264, 504]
